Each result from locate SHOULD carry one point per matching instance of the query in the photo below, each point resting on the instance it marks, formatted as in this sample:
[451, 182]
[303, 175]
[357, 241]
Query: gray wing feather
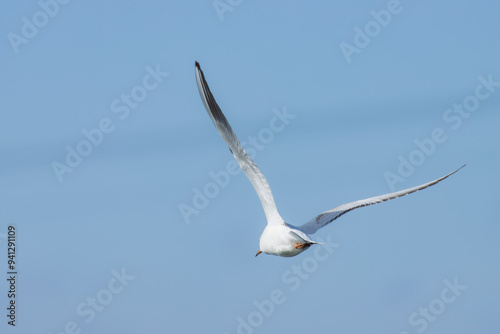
[253, 172]
[327, 217]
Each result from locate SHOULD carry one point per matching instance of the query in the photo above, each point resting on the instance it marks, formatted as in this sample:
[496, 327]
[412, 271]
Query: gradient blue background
[120, 207]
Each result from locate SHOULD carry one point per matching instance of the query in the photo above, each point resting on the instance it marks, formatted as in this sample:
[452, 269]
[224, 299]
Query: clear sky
[130, 217]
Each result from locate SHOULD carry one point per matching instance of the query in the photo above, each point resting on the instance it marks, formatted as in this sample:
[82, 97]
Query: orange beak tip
[258, 252]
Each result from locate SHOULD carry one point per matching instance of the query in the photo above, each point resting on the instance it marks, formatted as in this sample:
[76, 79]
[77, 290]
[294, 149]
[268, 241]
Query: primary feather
[327, 217]
[246, 163]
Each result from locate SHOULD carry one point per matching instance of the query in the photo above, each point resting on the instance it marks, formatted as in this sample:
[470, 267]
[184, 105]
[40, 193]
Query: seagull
[280, 238]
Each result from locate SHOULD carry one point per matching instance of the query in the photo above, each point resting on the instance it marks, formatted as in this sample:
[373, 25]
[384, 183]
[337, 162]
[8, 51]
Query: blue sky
[104, 243]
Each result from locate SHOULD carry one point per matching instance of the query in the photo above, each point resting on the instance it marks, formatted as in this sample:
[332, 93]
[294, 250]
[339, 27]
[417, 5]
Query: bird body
[282, 240]
[278, 237]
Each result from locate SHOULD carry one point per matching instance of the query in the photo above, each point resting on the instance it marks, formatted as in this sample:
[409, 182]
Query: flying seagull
[280, 238]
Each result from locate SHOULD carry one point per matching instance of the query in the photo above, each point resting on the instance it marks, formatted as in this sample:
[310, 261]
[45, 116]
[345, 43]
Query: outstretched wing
[253, 172]
[327, 217]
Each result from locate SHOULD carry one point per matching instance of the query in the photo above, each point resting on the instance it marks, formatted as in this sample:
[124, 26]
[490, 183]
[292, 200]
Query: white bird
[278, 237]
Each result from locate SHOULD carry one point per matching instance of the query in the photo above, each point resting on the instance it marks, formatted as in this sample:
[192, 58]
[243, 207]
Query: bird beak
[258, 252]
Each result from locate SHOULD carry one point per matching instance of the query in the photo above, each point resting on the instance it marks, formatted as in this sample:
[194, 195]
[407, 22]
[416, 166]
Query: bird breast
[281, 240]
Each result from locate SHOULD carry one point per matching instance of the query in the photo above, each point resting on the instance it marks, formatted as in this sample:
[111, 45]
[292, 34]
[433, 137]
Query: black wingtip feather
[197, 65]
